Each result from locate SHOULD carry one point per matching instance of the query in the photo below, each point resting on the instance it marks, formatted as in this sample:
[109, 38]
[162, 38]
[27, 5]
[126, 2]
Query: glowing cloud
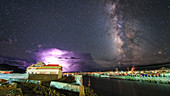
[50, 56]
[70, 61]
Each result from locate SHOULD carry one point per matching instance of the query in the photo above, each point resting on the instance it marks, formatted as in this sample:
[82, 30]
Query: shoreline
[161, 80]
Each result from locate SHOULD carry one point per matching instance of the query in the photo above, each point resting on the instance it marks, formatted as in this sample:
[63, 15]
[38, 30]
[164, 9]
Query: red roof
[52, 65]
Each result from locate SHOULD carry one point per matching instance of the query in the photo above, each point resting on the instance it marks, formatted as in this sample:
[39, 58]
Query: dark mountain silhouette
[10, 67]
[19, 63]
[140, 67]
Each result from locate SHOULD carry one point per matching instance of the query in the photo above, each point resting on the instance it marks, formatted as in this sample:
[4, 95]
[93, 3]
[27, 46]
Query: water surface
[115, 87]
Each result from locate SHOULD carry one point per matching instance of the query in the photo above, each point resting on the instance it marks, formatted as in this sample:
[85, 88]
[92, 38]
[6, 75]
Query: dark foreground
[115, 87]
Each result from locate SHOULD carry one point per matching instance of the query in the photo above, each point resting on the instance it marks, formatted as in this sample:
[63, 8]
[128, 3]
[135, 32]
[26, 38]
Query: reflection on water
[115, 87]
[88, 81]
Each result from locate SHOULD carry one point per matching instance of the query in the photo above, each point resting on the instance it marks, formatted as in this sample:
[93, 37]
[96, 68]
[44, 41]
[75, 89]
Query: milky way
[128, 33]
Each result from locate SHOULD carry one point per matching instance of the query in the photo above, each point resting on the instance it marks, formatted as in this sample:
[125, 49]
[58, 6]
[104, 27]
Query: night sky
[109, 32]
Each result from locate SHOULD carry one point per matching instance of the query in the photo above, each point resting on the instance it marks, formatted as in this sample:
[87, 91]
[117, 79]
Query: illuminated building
[41, 68]
[41, 71]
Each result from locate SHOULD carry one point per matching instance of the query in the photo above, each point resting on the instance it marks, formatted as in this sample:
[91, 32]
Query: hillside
[10, 67]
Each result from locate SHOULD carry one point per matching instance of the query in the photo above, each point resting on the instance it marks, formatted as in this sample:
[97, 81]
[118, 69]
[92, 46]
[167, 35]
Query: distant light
[160, 52]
